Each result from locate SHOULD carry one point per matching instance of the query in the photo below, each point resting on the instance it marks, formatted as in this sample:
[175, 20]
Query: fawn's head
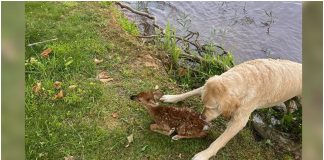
[148, 98]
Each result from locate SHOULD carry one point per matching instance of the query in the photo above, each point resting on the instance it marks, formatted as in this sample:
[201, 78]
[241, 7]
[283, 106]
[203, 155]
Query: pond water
[249, 29]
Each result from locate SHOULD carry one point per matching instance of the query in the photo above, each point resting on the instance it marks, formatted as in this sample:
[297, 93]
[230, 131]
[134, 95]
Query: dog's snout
[133, 97]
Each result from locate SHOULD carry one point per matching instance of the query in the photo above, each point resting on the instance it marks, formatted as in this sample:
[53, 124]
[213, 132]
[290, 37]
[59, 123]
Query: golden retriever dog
[238, 92]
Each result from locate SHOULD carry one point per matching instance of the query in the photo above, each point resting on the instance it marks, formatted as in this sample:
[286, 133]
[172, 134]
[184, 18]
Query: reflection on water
[249, 29]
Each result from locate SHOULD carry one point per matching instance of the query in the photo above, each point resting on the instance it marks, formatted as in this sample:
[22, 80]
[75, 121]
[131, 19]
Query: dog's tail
[133, 97]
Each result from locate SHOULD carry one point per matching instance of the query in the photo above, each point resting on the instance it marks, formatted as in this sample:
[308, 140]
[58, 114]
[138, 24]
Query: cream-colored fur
[238, 92]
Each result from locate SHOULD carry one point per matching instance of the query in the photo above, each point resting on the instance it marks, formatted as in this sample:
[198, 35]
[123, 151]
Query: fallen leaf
[97, 61]
[72, 86]
[106, 80]
[130, 139]
[33, 60]
[59, 95]
[69, 158]
[57, 84]
[37, 87]
[104, 77]
[46, 53]
[180, 156]
[114, 115]
[182, 71]
[156, 87]
[150, 64]
[144, 148]
[68, 62]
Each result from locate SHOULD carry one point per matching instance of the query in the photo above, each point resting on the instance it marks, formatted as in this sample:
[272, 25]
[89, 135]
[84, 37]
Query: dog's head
[149, 98]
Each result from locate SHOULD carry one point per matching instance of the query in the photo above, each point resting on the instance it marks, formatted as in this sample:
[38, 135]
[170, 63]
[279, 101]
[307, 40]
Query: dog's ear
[228, 106]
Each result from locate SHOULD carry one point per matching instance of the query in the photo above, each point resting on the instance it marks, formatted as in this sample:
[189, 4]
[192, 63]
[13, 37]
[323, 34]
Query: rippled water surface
[249, 29]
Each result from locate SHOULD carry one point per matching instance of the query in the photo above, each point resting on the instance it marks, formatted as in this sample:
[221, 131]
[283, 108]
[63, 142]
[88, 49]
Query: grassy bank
[93, 119]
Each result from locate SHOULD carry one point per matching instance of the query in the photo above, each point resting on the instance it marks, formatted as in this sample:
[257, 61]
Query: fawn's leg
[179, 136]
[161, 129]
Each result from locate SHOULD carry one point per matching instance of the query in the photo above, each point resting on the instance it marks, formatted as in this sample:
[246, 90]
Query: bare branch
[177, 37]
[150, 36]
[141, 13]
[135, 11]
[200, 59]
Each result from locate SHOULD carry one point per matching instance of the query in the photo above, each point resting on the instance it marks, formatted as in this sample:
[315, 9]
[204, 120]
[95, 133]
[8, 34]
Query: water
[241, 27]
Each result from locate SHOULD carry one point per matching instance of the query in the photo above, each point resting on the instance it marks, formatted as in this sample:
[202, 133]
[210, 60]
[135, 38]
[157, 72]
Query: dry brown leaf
[130, 139]
[150, 64]
[114, 115]
[37, 87]
[106, 80]
[45, 53]
[69, 158]
[104, 77]
[59, 95]
[57, 84]
[72, 86]
[97, 61]
[182, 71]
[127, 145]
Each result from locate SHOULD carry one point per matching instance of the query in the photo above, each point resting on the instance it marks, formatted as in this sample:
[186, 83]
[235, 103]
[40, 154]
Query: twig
[135, 11]
[190, 35]
[177, 37]
[140, 13]
[192, 57]
[201, 59]
[150, 36]
[32, 44]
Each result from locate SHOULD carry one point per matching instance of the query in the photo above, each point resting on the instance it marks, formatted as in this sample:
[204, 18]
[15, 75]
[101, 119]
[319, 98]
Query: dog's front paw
[169, 98]
[201, 156]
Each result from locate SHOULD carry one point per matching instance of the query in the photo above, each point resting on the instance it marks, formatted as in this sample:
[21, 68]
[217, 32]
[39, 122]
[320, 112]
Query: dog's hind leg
[180, 97]
[236, 124]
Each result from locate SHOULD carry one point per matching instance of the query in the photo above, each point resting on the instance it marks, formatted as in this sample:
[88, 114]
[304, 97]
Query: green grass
[81, 124]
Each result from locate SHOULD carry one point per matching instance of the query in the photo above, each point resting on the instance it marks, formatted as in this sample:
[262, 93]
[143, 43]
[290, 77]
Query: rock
[283, 140]
[292, 106]
[280, 108]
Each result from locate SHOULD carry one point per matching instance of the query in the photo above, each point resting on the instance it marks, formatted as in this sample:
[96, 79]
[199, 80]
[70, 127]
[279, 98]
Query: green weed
[128, 26]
